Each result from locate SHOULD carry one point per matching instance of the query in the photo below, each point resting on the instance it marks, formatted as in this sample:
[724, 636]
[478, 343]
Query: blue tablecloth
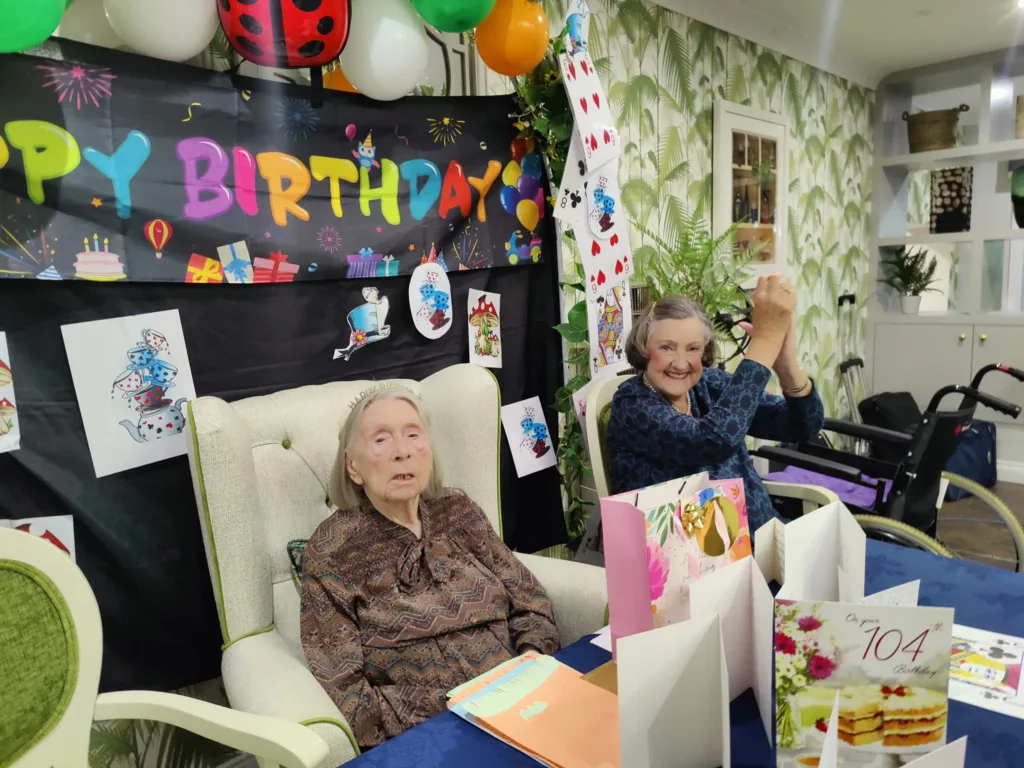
[983, 597]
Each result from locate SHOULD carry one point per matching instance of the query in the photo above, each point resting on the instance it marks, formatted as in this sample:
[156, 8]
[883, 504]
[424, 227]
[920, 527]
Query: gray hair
[667, 308]
[344, 493]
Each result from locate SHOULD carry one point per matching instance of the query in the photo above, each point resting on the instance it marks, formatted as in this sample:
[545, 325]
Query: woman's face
[392, 457]
[674, 350]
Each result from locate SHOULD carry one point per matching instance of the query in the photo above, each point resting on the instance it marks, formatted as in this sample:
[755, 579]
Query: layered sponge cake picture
[900, 716]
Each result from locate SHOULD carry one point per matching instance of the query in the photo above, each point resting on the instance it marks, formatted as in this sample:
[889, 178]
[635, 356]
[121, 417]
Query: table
[983, 597]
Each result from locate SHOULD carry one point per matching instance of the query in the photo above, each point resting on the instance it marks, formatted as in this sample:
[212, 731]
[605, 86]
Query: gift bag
[659, 539]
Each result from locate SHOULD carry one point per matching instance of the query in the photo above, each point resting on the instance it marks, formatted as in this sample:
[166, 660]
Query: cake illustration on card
[101, 266]
[884, 667]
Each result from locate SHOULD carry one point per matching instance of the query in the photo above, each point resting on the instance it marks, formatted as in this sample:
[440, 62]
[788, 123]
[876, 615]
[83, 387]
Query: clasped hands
[772, 330]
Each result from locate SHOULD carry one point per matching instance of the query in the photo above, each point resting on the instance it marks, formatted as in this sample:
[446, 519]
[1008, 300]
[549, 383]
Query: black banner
[119, 167]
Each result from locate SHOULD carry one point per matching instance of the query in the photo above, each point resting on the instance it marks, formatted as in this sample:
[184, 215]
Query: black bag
[975, 458]
[890, 410]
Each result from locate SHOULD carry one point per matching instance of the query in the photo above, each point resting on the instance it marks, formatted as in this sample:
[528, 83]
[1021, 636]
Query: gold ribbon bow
[692, 518]
[209, 272]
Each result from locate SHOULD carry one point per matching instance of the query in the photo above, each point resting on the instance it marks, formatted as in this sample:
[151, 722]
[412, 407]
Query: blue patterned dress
[651, 442]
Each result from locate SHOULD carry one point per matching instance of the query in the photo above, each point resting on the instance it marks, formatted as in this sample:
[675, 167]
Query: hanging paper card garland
[10, 434]
[609, 318]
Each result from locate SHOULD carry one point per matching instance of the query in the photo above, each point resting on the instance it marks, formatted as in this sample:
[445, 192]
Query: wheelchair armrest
[867, 432]
[810, 463]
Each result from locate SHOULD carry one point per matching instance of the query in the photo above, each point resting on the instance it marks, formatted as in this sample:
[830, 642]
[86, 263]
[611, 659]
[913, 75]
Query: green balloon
[24, 23]
[454, 15]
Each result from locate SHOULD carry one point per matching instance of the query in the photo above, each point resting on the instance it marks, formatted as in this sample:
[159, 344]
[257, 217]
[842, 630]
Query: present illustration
[203, 270]
[236, 262]
[366, 263]
[276, 269]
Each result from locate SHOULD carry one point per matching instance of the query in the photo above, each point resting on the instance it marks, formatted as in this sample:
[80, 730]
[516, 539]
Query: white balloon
[174, 30]
[86, 22]
[387, 48]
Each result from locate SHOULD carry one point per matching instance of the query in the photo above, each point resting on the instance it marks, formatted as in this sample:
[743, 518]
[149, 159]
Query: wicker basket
[933, 130]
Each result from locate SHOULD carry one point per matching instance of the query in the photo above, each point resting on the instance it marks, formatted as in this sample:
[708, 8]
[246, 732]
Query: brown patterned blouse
[390, 622]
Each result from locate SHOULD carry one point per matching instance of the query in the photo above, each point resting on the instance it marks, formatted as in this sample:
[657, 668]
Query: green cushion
[602, 432]
[38, 660]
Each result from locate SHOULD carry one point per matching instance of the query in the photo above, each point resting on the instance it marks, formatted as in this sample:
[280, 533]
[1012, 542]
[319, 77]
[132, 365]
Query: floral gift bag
[659, 539]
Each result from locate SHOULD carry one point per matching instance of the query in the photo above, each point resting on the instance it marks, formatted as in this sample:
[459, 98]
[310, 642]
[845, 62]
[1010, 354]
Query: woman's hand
[774, 301]
[787, 359]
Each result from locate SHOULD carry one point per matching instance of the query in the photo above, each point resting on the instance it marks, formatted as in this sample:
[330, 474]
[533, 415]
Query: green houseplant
[709, 270]
[909, 273]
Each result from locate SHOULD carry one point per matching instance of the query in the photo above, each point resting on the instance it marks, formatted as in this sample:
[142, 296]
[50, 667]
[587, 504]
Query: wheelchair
[907, 494]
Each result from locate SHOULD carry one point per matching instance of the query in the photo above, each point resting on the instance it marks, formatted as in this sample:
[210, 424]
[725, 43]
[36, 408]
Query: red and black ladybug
[286, 33]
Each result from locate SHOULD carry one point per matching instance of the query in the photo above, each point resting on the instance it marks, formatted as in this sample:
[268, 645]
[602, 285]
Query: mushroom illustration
[7, 411]
[6, 377]
[484, 316]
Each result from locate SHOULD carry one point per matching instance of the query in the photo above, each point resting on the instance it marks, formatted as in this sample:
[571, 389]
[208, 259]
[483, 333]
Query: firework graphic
[20, 260]
[328, 239]
[468, 254]
[297, 118]
[445, 130]
[78, 84]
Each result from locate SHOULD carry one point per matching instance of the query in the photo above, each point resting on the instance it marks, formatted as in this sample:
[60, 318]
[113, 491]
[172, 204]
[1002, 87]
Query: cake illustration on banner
[50, 273]
[101, 266]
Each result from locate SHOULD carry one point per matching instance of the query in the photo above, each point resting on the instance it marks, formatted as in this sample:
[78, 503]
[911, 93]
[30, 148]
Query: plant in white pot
[909, 273]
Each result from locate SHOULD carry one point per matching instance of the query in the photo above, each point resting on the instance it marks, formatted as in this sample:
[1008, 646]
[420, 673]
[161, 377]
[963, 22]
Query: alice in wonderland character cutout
[366, 323]
[430, 300]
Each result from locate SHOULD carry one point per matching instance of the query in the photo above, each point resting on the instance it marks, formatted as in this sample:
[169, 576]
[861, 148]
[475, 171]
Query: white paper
[770, 550]
[902, 594]
[603, 639]
[132, 380]
[484, 317]
[430, 300]
[950, 756]
[609, 320]
[822, 547]
[528, 436]
[740, 595]
[830, 749]
[987, 670]
[659, 672]
[59, 530]
[10, 431]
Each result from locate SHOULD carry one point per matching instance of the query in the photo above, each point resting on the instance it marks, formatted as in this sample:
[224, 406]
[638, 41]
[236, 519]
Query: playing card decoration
[528, 436]
[594, 122]
[610, 318]
[430, 300]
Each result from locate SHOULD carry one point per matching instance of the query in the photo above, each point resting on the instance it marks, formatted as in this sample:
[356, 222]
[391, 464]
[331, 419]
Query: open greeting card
[662, 719]
[819, 556]
[881, 669]
[661, 539]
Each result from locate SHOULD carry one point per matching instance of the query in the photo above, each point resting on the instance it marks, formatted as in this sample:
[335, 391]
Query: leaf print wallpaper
[663, 72]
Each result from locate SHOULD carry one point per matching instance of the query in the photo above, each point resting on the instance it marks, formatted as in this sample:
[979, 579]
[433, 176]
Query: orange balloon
[335, 80]
[514, 38]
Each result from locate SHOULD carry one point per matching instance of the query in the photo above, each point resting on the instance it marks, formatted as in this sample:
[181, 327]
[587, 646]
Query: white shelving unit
[983, 269]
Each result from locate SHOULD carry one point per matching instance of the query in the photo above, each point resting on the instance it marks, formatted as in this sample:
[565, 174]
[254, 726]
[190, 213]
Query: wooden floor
[969, 528]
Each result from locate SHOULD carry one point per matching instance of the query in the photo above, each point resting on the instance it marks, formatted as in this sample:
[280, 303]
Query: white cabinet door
[920, 359]
[999, 344]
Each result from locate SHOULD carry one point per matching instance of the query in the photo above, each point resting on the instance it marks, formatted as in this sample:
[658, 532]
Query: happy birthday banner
[115, 167]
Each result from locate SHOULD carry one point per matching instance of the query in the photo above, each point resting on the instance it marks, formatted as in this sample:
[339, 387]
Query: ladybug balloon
[286, 33]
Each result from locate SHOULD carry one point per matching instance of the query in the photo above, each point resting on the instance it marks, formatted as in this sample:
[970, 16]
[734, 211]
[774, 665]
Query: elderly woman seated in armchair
[679, 417]
[407, 591]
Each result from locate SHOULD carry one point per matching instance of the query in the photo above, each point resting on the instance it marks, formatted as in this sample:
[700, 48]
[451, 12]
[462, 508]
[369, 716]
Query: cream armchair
[260, 468]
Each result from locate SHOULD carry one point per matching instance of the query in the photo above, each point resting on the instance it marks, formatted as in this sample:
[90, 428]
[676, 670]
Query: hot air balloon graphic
[158, 232]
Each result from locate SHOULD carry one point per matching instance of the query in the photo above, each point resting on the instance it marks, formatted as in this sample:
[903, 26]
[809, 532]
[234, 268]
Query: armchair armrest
[811, 463]
[275, 741]
[579, 594]
[263, 675]
[867, 432]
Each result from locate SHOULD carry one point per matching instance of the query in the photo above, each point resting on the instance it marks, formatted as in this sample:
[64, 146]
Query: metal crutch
[851, 369]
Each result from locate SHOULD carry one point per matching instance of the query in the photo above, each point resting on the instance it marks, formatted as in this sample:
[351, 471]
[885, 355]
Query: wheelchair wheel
[980, 527]
[895, 532]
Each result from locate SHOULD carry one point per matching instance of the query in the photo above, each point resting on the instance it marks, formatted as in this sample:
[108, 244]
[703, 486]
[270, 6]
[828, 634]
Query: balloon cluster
[523, 196]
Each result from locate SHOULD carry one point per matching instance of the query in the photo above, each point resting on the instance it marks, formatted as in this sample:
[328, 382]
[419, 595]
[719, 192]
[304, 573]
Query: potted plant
[709, 270]
[909, 273]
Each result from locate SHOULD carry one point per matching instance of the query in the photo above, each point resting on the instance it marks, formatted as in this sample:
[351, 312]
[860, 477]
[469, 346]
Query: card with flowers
[888, 666]
[660, 539]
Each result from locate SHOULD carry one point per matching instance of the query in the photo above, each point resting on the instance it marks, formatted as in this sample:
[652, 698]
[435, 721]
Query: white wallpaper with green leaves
[663, 72]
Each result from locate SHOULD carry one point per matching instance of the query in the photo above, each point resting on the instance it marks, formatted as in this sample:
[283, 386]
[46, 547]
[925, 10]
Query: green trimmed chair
[599, 411]
[260, 469]
[51, 650]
